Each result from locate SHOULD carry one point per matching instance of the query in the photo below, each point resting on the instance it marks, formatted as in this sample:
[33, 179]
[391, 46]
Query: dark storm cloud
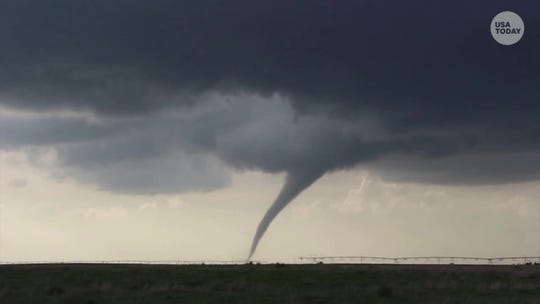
[17, 131]
[468, 169]
[427, 77]
[175, 172]
[401, 59]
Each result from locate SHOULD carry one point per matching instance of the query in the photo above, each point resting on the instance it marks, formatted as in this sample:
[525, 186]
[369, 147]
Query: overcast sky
[166, 129]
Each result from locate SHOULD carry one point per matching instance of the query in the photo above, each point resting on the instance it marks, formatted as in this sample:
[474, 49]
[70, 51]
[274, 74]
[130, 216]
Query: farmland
[270, 283]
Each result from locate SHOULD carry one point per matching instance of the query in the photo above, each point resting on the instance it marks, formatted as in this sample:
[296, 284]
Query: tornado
[295, 182]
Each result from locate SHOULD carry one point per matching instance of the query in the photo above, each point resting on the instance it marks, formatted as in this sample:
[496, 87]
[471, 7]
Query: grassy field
[330, 283]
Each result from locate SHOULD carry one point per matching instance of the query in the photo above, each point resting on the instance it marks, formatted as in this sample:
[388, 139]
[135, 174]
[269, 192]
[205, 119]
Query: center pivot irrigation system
[421, 260]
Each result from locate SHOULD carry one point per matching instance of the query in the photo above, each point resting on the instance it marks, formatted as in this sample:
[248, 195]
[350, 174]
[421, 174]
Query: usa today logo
[507, 28]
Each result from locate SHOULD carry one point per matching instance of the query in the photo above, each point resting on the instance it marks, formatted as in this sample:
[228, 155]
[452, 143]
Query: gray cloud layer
[416, 90]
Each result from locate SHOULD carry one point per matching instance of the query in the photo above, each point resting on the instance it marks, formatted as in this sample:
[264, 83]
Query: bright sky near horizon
[43, 218]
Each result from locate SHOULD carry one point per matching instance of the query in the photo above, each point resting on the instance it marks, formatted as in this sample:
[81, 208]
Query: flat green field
[329, 283]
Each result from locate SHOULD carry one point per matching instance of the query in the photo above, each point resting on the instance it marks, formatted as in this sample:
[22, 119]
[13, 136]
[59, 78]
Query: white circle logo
[507, 28]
